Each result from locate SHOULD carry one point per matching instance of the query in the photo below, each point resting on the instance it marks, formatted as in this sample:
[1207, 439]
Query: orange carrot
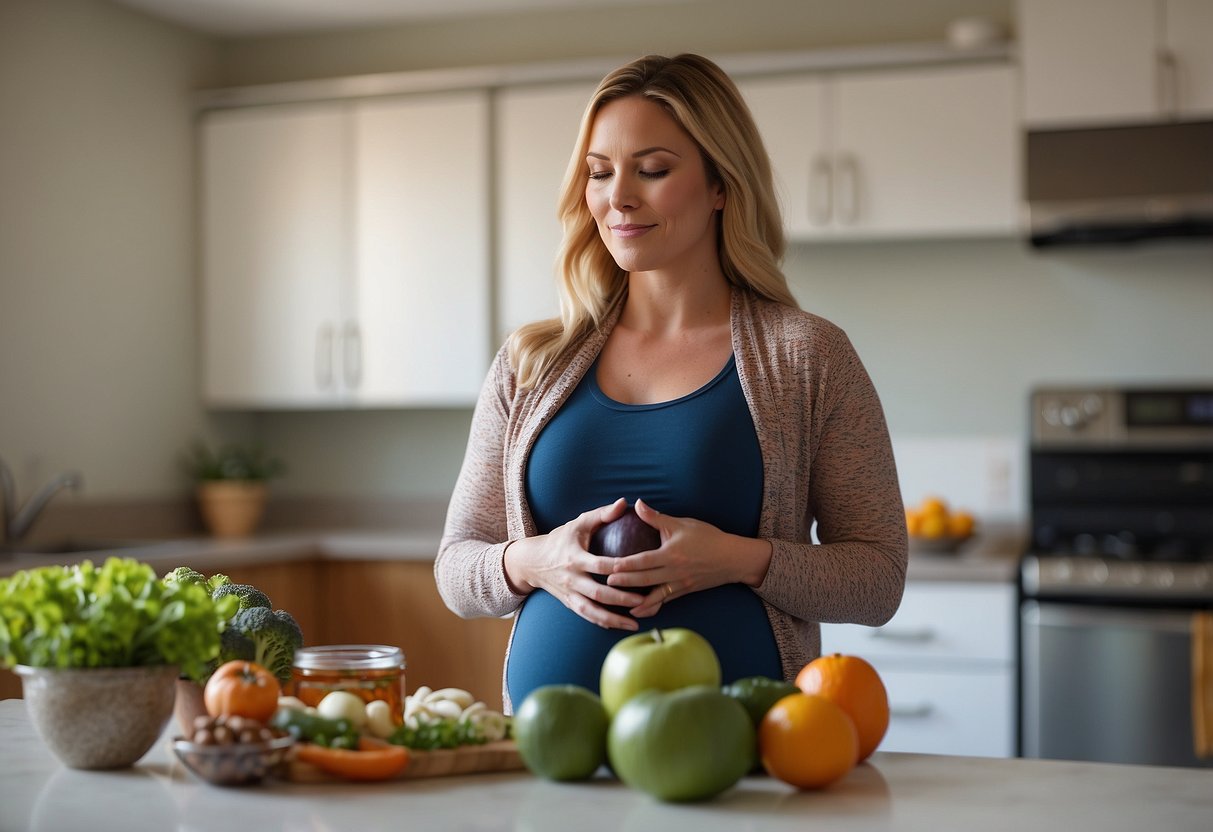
[374, 759]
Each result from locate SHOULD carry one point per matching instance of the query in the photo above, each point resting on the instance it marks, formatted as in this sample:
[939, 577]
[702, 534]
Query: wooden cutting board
[469, 759]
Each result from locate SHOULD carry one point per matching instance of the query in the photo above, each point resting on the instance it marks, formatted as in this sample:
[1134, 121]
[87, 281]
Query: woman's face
[648, 189]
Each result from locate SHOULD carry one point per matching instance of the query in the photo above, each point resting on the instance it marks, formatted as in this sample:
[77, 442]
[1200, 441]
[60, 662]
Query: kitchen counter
[207, 554]
[990, 556]
[891, 792]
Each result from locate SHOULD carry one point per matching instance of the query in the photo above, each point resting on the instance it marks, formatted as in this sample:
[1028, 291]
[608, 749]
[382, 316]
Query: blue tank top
[695, 456]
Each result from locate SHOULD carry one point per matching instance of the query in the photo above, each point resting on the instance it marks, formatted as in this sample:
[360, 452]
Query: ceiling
[247, 18]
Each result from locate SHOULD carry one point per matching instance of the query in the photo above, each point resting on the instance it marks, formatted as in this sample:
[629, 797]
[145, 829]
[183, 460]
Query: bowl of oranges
[934, 526]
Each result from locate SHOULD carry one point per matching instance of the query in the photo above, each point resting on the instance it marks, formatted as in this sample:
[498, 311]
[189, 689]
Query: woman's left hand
[693, 556]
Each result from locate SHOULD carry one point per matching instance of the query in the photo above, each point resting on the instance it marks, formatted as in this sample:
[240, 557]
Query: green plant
[116, 615]
[232, 461]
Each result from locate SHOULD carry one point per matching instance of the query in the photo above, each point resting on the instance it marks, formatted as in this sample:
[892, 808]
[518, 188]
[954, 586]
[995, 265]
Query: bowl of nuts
[233, 750]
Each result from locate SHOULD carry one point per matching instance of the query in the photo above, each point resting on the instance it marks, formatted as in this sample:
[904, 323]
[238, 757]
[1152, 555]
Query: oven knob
[1099, 572]
[1135, 576]
[1071, 417]
[1051, 413]
[1092, 405]
[1202, 579]
[1164, 578]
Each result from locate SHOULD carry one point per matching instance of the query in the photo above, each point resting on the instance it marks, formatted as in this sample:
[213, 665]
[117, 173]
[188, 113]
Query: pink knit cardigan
[826, 460]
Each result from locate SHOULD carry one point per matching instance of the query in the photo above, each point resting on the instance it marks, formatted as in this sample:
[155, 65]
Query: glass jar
[369, 671]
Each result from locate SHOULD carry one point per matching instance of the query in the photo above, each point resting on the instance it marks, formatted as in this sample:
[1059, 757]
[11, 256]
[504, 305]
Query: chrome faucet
[17, 522]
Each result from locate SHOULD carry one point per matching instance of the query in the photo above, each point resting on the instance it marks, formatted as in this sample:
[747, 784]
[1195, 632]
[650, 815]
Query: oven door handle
[1048, 614]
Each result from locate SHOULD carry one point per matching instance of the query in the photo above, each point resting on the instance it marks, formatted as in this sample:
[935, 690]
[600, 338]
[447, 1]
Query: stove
[1118, 576]
[1121, 495]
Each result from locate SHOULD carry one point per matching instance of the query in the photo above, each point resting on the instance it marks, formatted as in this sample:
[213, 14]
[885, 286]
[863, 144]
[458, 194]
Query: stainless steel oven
[1119, 567]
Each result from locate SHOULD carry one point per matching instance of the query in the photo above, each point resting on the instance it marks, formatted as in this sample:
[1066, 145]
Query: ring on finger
[669, 590]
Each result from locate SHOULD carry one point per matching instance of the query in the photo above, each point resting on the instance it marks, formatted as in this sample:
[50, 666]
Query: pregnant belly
[553, 645]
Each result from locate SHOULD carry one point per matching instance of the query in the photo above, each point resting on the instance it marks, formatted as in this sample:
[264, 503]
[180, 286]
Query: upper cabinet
[535, 128]
[345, 248]
[1095, 62]
[919, 152]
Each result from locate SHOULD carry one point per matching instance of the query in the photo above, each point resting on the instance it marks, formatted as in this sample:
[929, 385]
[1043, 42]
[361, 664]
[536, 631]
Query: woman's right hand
[560, 563]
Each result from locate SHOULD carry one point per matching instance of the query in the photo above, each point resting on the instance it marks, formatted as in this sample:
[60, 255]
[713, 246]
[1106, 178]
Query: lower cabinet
[397, 602]
[948, 660]
[392, 602]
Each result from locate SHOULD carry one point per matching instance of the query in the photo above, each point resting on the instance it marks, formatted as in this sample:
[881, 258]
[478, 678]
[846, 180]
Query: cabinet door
[925, 152]
[1189, 40]
[535, 130]
[273, 254]
[417, 331]
[1090, 61]
[790, 112]
[396, 602]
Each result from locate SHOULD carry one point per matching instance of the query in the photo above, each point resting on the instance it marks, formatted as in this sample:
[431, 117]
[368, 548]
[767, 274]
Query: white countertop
[891, 792]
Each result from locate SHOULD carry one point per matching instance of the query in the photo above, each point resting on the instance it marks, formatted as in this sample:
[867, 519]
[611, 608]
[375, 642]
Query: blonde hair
[706, 103]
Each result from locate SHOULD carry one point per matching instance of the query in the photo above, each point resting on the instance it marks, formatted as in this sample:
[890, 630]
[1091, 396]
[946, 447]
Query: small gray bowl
[238, 764]
[99, 717]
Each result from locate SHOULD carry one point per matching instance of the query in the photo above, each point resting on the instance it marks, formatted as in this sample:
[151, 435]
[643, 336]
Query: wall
[97, 348]
[97, 352]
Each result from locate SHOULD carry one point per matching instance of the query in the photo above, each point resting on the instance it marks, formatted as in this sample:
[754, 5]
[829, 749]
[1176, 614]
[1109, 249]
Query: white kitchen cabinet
[1101, 62]
[911, 152]
[947, 659]
[421, 297]
[273, 253]
[535, 128]
[345, 253]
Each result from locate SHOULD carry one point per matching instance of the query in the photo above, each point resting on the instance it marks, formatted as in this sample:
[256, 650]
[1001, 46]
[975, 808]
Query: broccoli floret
[235, 646]
[274, 634]
[250, 596]
[217, 580]
[184, 575]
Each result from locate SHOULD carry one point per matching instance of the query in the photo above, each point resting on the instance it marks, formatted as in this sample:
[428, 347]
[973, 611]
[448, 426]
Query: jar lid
[349, 657]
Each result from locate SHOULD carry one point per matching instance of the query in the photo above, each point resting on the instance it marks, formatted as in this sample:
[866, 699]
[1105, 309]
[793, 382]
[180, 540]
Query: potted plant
[232, 485]
[99, 651]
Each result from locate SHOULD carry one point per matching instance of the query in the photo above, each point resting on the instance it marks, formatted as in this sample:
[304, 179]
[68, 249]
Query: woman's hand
[559, 562]
[693, 556]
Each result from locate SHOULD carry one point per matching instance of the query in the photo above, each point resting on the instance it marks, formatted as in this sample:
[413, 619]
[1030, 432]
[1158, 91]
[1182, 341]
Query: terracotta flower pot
[101, 717]
[231, 508]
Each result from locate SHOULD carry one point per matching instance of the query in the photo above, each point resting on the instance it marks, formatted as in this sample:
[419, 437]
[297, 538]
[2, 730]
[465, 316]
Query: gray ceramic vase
[99, 718]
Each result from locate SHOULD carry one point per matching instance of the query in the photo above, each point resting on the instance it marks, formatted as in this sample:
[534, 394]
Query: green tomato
[688, 744]
[658, 659]
[758, 693]
[561, 732]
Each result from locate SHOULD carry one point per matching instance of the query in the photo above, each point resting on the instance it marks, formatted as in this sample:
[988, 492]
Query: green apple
[561, 732]
[687, 744]
[758, 693]
[661, 659]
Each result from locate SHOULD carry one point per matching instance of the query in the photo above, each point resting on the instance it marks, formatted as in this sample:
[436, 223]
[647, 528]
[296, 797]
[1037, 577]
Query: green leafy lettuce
[118, 615]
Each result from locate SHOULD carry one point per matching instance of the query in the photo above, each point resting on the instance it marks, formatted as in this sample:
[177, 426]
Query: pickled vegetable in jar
[369, 671]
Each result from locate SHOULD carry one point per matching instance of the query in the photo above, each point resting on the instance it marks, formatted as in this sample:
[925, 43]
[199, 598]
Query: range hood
[1118, 185]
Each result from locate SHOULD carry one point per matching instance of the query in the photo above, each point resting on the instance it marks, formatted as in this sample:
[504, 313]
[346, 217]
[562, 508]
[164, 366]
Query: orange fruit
[933, 505]
[960, 524]
[807, 741]
[913, 521]
[856, 687]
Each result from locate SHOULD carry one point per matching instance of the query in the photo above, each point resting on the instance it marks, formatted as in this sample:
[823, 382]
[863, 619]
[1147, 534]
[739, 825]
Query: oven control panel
[1122, 416]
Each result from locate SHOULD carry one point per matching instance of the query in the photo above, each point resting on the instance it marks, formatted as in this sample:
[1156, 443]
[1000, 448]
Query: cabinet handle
[921, 710]
[821, 190]
[921, 636]
[1167, 86]
[848, 189]
[324, 357]
[352, 355]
